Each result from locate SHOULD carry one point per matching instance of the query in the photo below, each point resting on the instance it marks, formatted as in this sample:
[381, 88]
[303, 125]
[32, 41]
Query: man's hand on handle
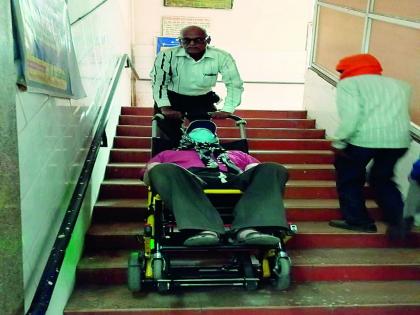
[169, 113]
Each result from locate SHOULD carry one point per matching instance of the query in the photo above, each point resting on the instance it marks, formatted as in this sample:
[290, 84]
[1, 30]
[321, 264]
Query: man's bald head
[194, 40]
[194, 29]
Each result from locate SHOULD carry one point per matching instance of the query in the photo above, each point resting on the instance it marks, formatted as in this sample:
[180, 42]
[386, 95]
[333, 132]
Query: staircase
[334, 271]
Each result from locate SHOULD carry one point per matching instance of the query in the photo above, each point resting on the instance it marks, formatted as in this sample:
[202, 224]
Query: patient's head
[202, 131]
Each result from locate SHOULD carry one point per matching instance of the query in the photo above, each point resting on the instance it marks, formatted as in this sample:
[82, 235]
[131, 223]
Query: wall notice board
[48, 63]
[212, 4]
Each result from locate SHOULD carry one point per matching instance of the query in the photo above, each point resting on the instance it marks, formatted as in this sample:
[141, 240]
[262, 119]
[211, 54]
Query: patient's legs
[261, 205]
[183, 194]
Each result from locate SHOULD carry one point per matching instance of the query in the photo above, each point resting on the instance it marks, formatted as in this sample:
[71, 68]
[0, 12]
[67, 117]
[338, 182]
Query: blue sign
[165, 43]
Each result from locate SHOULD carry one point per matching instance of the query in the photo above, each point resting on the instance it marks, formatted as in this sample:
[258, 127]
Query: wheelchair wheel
[157, 269]
[281, 279]
[251, 285]
[158, 272]
[134, 272]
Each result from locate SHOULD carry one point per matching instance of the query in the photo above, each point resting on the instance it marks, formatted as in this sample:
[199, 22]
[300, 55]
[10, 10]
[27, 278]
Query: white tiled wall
[54, 134]
[319, 100]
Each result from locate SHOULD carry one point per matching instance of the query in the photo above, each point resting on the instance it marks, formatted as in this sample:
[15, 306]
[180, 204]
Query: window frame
[369, 17]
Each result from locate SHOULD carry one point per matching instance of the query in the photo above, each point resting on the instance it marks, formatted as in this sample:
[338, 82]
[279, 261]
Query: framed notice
[172, 25]
[48, 60]
[211, 4]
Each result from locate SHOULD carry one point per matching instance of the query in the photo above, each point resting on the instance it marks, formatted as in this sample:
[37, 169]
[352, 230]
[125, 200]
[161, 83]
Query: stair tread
[304, 227]
[309, 166]
[116, 228]
[327, 152]
[289, 203]
[288, 166]
[329, 295]
[267, 119]
[131, 149]
[319, 203]
[130, 164]
[356, 258]
[121, 203]
[258, 139]
[291, 183]
[236, 128]
[300, 257]
[317, 152]
[131, 137]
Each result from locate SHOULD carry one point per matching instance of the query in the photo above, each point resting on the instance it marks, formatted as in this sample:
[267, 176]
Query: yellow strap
[266, 268]
[222, 191]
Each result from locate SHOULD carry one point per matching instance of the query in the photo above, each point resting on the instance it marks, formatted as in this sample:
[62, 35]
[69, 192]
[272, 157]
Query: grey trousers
[260, 205]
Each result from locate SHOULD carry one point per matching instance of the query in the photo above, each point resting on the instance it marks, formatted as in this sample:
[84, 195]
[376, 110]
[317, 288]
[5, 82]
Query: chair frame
[245, 265]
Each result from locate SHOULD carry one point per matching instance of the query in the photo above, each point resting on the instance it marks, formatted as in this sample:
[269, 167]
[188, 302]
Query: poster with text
[211, 4]
[48, 60]
[163, 43]
[172, 25]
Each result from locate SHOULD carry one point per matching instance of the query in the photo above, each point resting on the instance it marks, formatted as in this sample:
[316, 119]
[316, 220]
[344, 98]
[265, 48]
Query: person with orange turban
[374, 126]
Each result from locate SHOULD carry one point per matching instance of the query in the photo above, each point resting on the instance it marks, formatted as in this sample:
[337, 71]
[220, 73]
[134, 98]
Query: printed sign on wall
[172, 25]
[48, 61]
[165, 43]
[212, 4]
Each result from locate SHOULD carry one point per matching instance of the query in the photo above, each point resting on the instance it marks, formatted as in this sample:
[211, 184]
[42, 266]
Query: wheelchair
[163, 263]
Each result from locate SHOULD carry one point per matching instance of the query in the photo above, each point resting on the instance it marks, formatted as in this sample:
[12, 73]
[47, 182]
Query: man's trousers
[193, 107]
[351, 177]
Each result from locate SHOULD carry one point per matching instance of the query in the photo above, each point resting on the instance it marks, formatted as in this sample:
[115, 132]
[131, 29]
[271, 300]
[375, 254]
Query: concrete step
[334, 271]
[296, 171]
[120, 210]
[126, 235]
[134, 210]
[124, 142]
[230, 132]
[353, 264]
[270, 114]
[279, 156]
[322, 209]
[250, 122]
[295, 189]
[312, 298]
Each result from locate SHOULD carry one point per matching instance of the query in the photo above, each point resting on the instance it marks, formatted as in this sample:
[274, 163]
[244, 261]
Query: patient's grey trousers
[260, 205]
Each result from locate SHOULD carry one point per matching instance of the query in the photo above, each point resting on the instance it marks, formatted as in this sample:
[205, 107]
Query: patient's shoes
[204, 238]
[245, 237]
[253, 237]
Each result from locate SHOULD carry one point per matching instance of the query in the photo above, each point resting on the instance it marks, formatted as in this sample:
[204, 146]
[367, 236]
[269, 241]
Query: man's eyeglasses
[198, 40]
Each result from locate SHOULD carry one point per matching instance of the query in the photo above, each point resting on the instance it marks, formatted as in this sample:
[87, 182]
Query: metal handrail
[49, 277]
[89, 12]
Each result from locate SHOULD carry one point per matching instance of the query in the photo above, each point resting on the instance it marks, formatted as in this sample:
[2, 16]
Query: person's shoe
[409, 223]
[399, 232]
[253, 237]
[204, 238]
[342, 224]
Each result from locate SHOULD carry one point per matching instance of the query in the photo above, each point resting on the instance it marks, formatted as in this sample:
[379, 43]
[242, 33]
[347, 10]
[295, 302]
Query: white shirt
[177, 71]
[374, 112]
